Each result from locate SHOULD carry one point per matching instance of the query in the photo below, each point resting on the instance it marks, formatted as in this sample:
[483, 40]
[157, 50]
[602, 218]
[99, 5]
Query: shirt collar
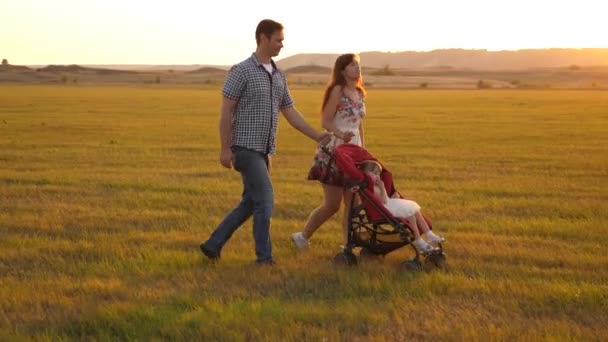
[258, 63]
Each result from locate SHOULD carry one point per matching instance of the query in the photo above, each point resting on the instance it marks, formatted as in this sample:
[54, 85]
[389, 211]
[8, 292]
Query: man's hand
[324, 138]
[226, 157]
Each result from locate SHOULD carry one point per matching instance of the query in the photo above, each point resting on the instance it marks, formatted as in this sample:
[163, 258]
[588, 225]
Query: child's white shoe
[422, 246]
[434, 239]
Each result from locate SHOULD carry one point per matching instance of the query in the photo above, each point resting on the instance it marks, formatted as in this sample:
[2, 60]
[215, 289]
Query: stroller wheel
[435, 260]
[346, 258]
[411, 265]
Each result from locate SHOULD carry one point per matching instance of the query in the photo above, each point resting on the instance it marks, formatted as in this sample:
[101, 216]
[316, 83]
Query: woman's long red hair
[337, 78]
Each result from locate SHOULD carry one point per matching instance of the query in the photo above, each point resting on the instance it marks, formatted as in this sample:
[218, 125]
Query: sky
[220, 32]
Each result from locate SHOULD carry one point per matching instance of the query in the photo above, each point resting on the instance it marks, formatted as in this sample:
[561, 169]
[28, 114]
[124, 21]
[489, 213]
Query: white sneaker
[300, 241]
[434, 239]
[422, 246]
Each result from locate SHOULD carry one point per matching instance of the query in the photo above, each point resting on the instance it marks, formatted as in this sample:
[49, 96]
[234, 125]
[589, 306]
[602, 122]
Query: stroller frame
[377, 236]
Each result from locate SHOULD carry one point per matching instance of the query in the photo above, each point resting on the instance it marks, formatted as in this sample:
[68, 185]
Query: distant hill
[208, 70]
[463, 59]
[153, 67]
[318, 59]
[440, 69]
[62, 68]
[13, 68]
[79, 69]
[309, 69]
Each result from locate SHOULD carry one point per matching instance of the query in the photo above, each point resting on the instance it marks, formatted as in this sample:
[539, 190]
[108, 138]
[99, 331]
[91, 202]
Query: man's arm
[296, 120]
[225, 126]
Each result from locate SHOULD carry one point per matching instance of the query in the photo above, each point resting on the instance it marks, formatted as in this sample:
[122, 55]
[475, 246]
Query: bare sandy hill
[74, 68]
[309, 69]
[464, 58]
[440, 76]
[208, 70]
[14, 68]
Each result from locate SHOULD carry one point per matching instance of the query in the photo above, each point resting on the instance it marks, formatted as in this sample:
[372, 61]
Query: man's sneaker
[300, 241]
[209, 253]
[269, 262]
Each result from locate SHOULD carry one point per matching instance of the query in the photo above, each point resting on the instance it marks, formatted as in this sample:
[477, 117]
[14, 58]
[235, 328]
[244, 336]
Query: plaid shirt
[260, 96]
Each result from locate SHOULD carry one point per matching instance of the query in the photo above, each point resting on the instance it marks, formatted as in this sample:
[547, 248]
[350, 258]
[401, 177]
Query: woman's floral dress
[348, 117]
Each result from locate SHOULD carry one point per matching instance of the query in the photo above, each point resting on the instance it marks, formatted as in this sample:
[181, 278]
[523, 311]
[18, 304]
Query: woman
[343, 110]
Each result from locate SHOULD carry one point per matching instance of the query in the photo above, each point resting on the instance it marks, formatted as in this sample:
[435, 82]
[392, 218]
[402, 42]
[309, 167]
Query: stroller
[370, 225]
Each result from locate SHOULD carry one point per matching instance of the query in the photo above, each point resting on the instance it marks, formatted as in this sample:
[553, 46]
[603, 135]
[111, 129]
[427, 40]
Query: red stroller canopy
[349, 156]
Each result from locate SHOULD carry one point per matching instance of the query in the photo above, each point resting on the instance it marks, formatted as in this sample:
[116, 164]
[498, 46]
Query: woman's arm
[361, 135]
[329, 111]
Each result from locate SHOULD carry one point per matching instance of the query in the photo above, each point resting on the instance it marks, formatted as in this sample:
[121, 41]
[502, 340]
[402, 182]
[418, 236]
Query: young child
[402, 208]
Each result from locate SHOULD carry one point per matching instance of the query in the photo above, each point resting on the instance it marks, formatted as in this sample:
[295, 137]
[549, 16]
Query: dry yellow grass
[106, 192]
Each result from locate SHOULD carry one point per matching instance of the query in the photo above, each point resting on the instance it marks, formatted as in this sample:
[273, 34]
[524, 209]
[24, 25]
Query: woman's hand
[348, 136]
[345, 136]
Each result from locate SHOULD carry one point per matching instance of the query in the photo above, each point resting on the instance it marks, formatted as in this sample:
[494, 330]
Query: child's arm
[380, 191]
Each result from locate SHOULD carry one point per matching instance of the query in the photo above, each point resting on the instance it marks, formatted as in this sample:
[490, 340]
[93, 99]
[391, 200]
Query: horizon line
[324, 53]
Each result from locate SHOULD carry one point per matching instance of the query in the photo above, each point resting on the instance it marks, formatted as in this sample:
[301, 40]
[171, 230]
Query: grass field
[106, 192]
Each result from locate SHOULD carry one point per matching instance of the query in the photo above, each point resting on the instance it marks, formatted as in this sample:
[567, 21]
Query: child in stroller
[402, 208]
[382, 222]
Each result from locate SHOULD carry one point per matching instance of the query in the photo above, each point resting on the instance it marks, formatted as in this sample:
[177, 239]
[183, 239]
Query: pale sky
[222, 32]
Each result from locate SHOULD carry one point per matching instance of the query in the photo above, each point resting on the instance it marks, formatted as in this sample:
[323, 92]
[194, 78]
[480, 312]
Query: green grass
[106, 192]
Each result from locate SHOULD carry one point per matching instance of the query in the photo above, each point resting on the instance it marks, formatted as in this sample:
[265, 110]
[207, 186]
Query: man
[254, 93]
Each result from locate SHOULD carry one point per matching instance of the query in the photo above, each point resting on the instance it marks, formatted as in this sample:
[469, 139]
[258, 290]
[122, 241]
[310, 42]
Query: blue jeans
[257, 200]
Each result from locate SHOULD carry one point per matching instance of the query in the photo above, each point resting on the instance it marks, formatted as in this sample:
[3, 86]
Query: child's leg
[414, 226]
[418, 242]
[422, 222]
[430, 236]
